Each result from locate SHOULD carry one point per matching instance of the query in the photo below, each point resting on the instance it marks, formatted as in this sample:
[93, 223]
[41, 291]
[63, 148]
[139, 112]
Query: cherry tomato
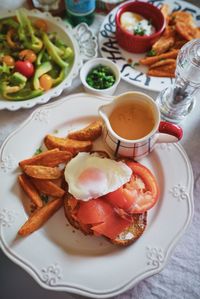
[41, 24]
[26, 68]
[46, 81]
[8, 60]
[28, 55]
[138, 195]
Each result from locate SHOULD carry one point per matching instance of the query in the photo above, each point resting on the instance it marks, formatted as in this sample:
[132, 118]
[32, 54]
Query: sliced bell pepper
[53, 52]
[9, 38]
[26, 32]
[61, 77]
[17, 90]
[22, 95]
[41, 70]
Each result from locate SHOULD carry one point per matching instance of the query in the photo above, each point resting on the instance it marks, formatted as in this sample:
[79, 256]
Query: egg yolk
[91, 175]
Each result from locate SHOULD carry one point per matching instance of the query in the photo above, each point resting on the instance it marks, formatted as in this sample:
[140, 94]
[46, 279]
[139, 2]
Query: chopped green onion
[139, 31]
[151, 53]
[100, 77]
[38, 151]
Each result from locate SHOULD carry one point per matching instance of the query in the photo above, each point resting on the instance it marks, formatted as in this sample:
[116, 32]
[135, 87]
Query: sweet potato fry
[186, 30]
[67, 144]
[151, 60]
[179, 43]
[48, 187]
[40, 216]
[42, 172]
[49, 158]
[166, 68]
[164, 62]
[170, 68]
[165, 10]
[165, 42]
[158, 73]
[91, 132]
[58, 182]
[30, 190]
[181, 16]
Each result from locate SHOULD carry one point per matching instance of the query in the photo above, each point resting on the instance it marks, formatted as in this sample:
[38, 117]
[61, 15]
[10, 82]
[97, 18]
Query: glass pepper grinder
[177, 100]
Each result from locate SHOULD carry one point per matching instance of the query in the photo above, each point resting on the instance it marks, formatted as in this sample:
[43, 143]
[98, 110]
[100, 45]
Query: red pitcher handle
[170, 129]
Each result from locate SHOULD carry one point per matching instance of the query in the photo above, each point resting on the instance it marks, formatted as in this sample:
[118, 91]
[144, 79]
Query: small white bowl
[89, 65]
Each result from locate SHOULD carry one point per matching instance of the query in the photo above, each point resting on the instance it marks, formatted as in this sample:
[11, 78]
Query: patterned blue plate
[137, 75]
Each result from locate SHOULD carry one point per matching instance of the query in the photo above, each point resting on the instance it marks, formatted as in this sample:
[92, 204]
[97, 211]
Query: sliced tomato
[140, 194]
[147, 177]
[94, 211]
[118, 199]
[112, 226]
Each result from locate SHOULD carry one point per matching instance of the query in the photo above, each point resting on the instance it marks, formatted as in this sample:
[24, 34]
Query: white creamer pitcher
[162, 132]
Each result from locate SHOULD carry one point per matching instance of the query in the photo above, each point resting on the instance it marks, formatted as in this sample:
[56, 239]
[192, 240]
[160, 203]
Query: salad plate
[63, 259]
[82, 42]
[136, 74]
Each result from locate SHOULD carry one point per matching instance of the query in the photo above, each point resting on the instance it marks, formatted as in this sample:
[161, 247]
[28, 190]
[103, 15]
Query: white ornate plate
[61, 258]
[83, 43]
[110, 49]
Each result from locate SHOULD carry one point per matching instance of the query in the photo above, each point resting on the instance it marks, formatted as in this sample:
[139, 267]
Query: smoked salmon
[119, 216]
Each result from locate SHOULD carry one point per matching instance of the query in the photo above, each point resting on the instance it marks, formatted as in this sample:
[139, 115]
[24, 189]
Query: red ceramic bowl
[136, 43]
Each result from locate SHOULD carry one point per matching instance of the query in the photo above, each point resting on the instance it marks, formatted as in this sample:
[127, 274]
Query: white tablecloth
[179, 279]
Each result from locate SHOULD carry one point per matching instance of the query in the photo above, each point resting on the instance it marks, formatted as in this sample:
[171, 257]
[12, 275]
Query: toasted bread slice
[131, 234]
[91, 132]
[69, 209]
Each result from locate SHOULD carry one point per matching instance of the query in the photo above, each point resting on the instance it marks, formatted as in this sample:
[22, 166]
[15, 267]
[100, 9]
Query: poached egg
[131, 21]
[91, 176]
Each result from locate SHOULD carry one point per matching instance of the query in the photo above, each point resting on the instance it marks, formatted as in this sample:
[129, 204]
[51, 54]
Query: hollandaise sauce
[132, 121]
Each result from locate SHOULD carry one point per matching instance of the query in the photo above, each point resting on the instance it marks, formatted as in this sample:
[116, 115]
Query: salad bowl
[80, 40]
